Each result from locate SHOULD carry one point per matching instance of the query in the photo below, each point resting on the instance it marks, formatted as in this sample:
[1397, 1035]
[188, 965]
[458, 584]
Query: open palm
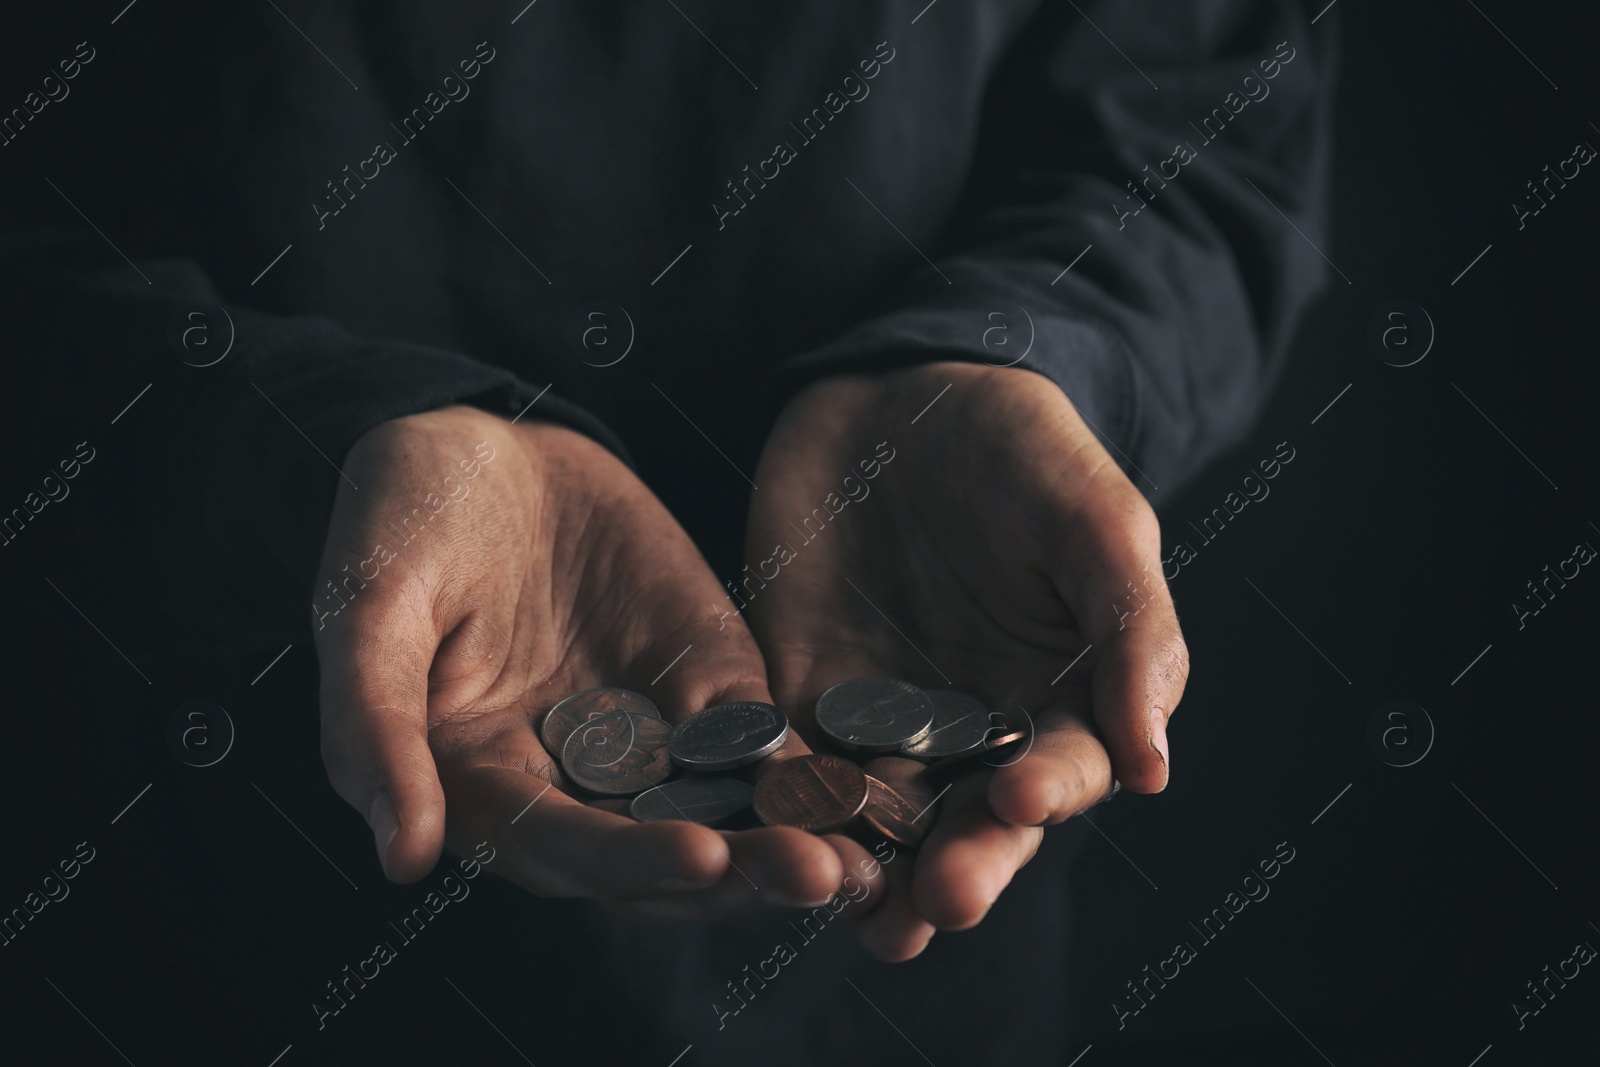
[550, 569]
[987, 544]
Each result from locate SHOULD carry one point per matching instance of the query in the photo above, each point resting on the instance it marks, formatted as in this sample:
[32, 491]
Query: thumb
[1112, 580]
[374, 695]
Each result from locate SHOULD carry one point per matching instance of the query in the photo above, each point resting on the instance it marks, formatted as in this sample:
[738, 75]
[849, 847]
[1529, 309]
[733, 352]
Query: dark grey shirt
[430, 204]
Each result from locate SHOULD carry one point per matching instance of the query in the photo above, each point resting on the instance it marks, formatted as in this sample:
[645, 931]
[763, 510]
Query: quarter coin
[618, 754]
[728, 736]
[892, 815]
[875, 714]
[815, 793]
[569, 714]
[708, 801]
[960, 724]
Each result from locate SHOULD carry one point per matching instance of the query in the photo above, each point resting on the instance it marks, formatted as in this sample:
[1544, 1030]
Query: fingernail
[1158, 737]
[385, 824]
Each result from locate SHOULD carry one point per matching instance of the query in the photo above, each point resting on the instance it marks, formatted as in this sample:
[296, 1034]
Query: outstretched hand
[483, 571]
[993, 547]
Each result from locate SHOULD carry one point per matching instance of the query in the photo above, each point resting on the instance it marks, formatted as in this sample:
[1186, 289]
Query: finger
[374, 697]
[1111, 578]
[500, 784]
[865, 882]
[701, 666]
[878, 895]
[1064, 769]
[769, 867]
[502, 790]
[791, 867]
[772, 867]
[895, 931]
[969, 857]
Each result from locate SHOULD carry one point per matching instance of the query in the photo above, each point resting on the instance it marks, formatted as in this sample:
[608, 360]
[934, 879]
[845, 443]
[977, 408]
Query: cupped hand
[977, 538]
[483, 571]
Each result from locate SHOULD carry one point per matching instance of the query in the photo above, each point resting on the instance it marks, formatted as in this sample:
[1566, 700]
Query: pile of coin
[941, 727]
[614, 743]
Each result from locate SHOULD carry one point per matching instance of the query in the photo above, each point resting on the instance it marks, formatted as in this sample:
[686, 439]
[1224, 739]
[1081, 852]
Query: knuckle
[1175, 659]
[1140, 519]
[1136, 508]
[1072, 786]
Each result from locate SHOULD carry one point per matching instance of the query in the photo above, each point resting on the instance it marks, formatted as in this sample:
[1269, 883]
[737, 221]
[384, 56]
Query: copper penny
[815, 793]
[618, 754]
[1005, 748]
[893, 816]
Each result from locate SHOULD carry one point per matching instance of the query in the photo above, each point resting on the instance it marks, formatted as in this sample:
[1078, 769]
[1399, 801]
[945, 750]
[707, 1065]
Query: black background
[1395, 541]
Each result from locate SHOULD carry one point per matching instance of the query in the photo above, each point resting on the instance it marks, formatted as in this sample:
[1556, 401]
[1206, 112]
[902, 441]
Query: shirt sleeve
[1142, 217]
[214, 432]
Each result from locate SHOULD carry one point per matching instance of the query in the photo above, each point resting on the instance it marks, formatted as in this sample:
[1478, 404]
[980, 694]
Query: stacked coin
[816, 793]
[728, 736]
[941, 727]
[614, 743]
[619, 753]
[827, 794]
[944, 729]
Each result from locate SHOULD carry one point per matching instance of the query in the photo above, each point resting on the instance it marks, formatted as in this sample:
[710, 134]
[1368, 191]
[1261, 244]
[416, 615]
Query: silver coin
[708, 801]
[728, 736]
[579, 708]
[960, 724]
[875, 714]
[618, 754]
